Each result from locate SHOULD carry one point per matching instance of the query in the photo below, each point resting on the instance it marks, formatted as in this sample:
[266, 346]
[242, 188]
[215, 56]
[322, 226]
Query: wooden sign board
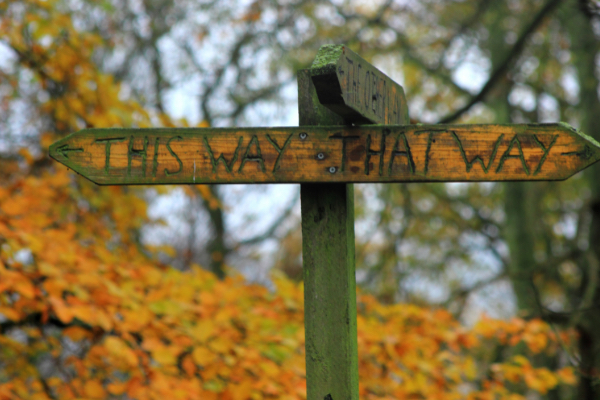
[376, 153]
[356, 90]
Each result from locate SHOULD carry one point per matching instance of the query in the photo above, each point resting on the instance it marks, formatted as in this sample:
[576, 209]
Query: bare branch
[504, 66]
[463, 293]
[270, 232]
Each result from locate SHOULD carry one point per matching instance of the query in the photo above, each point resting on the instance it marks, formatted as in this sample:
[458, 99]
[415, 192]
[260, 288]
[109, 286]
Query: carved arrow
[64, 150]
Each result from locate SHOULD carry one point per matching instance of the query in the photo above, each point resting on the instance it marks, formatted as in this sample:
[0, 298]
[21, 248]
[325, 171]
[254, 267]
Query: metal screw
[320, 156]
[332, 170]
[303, 135]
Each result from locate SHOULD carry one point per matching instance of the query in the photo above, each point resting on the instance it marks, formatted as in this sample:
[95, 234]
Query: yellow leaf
[165, 355]
[103, 320]
[48, 269]
[270, 368]
[24, 152]
[521, 360]
[10, 313]
[119, 349]
[470, 369]
[220, 345]
[202, 356]
[536, 341]
[567, 376]
[203, 330]
[151, 343]
[242, 391]
[94, 390]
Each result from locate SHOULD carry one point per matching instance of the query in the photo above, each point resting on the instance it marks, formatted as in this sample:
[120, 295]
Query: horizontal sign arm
[375, 153]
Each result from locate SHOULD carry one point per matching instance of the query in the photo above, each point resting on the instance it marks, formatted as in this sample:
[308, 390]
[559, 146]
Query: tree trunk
[585, 47]
[521, 215]
[519, 206]
[217, 248]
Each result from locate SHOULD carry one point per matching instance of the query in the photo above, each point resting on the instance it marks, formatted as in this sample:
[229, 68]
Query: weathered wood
[411, 153]
[329, 277]
[355, 89]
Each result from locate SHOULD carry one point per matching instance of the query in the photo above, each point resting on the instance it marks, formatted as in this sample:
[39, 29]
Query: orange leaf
[94, 390]
[77, 333]
[117, 388]
[567, 376]
[188, 365]
[10, 313]
[62, 312]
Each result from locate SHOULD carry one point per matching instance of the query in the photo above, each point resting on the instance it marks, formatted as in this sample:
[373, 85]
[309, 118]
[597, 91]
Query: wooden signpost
[339, 97]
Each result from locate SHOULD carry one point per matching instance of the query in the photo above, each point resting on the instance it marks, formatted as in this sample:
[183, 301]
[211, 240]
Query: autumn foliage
[88, 311]
[86, 317]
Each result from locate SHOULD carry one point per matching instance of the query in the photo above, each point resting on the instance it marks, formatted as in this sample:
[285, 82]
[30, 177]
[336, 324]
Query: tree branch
[35, 319]
[462, 293]
[503, 68]
[271, 230]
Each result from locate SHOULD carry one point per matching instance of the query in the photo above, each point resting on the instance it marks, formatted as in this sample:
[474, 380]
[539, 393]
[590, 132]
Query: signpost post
[338, 96]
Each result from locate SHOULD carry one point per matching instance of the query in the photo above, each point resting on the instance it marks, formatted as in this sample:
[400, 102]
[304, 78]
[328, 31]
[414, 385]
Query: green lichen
[583, 135]
[566, 125]
[327, 54]
[326, 58]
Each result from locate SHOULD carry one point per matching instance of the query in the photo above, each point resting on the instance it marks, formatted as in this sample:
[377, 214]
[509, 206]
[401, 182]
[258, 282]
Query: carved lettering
[374, 102]
[546, 150]
[155, 159]
[370, 94]
[167, 172]
[344, 140]
[367, 94]
[253, 157]
[107, 149]
[584, 154]
[507, 155]
[280, 150]
[477, 158]
[379, 153]
[399, 107]
[391, 109]
[131, 152]
[357, 96]
[350, 81]
[383, 96]
[215, 163]
[430, 141]
[406, 153]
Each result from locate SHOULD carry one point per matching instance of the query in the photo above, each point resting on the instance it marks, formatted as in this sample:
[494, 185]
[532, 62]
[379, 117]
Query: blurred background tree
[526, 249]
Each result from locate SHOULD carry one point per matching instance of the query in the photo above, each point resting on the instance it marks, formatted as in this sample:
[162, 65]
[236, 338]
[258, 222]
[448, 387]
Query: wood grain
[375, 153]
[328, 269]
[355, 89]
